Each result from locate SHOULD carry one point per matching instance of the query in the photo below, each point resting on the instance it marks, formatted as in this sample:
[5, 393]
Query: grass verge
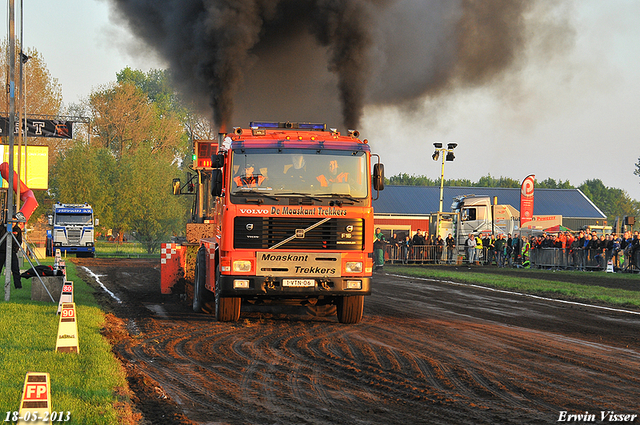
[90, 385]
[106, 249]
[522, 282]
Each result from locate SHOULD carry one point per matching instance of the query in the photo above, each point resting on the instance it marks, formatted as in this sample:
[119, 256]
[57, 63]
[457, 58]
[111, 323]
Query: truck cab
[283, 214]
[476, 214]
[72, 230]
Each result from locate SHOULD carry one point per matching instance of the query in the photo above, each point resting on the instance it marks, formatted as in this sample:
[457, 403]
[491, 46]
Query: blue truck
[72, 230]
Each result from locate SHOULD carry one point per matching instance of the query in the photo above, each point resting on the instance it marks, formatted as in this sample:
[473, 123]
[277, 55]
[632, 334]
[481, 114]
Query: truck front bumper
[292, 287]
[74, 248]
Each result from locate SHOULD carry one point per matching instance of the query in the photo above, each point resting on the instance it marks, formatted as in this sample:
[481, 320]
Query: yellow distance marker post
[66, 296]
[36, 398]
[67, 341]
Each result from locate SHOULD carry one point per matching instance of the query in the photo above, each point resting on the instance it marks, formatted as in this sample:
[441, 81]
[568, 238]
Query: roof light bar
[263, 124]
[288, 125]
[312, 126]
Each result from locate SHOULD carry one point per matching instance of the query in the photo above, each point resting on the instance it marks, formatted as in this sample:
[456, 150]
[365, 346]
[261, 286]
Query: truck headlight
[242, 266]
[354, 284]
[353, 267]
[240, 283]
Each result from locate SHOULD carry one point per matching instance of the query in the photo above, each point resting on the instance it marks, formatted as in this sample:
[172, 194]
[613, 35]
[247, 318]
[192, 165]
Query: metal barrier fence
[553, 258]
[419, 254]
[584, 259]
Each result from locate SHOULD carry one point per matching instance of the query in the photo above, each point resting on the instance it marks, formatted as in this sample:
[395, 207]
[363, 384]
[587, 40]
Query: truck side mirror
[217, 161]
[97, 222]
[50, 217]
[176, 186]
[216, 182]
[378, 176]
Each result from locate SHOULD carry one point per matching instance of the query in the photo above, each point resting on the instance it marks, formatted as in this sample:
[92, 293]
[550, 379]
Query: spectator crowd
[564, 250]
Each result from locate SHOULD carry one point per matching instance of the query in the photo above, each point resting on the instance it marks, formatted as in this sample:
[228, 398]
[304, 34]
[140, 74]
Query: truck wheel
[199, 275]
[350, 309]
[227, 309]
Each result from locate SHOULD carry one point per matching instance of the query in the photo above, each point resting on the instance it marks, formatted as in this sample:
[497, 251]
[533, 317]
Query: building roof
[421, 200]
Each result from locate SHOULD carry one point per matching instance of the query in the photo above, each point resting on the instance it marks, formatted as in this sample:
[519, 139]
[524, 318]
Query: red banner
[526, 199]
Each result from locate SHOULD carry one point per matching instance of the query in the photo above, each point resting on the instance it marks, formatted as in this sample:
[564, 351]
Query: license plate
[299, 283]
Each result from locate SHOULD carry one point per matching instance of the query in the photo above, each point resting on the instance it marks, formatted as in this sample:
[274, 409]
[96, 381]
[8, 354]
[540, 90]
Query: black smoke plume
[306, 59]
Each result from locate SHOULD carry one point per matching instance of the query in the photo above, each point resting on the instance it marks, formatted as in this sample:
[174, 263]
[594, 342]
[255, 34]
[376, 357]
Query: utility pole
[10, 130]
[447, 154]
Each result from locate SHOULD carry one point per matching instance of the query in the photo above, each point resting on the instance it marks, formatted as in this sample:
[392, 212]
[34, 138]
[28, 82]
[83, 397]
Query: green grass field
[524, 282]
[88, 384]
[106, 249]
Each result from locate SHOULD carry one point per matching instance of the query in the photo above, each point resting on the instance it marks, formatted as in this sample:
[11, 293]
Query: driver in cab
[334, 175]
[249, 179]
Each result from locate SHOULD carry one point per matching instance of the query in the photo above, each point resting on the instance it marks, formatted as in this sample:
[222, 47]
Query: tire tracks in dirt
[424, 353]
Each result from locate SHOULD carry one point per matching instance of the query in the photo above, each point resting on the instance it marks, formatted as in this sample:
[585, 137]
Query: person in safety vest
[249, 179]
[334, 175]
[478, 248]
[526, 248]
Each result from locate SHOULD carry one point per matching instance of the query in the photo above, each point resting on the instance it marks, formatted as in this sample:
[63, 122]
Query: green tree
[489, 181]
[137, 145]
[146, 204]
[550, 183]
[156, 85]
[85, 173]
[613, 202]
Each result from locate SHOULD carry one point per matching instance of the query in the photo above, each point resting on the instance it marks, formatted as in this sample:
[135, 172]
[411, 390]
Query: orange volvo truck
[282, 214]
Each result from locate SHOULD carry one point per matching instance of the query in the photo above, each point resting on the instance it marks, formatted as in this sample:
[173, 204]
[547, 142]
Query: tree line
[611, 201]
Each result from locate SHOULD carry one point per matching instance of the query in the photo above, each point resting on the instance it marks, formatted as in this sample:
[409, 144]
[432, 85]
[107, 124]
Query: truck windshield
[291, 172]
[77, 219]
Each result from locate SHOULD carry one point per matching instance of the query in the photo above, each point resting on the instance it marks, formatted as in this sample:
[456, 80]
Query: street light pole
[10, 131]
[441, 185]
[441, 151]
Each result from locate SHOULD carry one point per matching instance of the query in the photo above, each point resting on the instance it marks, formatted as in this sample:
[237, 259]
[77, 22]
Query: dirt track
[426, 352]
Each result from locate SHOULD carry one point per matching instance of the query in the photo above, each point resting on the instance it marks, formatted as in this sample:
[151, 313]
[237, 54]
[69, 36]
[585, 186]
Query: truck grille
[74, 235]
[340, 234]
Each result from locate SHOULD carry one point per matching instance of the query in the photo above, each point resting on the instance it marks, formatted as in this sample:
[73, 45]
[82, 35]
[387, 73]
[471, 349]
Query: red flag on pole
[526, 199]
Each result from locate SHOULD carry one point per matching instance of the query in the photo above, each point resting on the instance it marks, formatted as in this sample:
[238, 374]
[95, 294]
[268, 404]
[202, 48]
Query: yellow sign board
[68, 330]
[37, 165]
[36, 399]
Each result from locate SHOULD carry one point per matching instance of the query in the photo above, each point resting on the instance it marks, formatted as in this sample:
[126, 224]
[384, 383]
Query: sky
[575, 117]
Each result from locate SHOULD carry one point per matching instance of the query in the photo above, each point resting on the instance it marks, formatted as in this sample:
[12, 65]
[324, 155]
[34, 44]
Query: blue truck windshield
[73, 219]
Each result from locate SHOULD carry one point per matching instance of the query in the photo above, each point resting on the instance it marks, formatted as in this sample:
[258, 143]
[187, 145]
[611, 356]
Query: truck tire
[199, 275]
[350, 309]
[227, 309]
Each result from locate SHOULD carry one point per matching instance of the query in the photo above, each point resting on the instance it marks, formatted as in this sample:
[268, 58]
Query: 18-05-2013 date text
[35, 416]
